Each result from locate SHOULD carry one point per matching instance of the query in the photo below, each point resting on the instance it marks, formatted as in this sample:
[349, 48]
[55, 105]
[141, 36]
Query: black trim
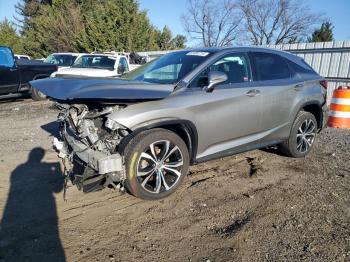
[339, 79]
[321, 112]
[319, 50]
[238, 150]
[40, 76]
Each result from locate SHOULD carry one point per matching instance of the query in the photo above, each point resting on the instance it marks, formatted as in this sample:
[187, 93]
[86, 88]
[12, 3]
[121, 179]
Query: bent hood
[100, 89]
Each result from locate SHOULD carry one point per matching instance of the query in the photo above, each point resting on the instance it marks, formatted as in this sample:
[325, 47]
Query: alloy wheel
[159, 166]
[306, 135]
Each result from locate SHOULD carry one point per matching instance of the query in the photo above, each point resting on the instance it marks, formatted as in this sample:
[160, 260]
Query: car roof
[240, 48]
[68, 53]
[107, 54]
[218, 50]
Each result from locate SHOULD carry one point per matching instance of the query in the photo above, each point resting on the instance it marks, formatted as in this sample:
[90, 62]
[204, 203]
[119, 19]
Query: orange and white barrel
[339, 110]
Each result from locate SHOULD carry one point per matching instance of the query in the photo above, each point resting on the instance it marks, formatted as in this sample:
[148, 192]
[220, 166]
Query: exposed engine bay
[89, 146]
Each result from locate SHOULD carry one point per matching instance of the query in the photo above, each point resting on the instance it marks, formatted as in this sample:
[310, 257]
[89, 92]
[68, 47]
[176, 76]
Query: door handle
[13, 69]
[253, 92]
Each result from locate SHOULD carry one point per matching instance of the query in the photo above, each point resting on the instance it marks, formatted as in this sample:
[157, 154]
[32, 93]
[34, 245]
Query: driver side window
[6, 57]
[235, 66]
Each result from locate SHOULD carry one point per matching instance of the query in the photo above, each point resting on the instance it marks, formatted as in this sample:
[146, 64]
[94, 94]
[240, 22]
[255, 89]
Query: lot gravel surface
[256, 206]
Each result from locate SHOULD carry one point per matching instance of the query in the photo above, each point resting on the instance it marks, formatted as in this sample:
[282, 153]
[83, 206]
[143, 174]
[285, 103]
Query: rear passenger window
[302, 68]
[270, 67]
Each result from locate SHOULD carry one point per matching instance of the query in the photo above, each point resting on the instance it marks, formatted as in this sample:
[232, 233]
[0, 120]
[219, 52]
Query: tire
[37, 95]
[302, 136]
[149, 175]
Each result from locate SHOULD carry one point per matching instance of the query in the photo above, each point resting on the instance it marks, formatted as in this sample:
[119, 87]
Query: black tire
[37, 95]
[136, 164]
[295, 146]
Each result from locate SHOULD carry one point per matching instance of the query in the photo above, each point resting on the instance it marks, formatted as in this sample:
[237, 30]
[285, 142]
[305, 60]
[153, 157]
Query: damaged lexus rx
[141, 132]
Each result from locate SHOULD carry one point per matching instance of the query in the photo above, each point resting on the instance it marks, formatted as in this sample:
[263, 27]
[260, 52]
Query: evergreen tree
[116, 25]
[178, 42]
[28, 9]
[323, 34]
[88, 25]
[9, 36]
[165, 37]
[53, 29]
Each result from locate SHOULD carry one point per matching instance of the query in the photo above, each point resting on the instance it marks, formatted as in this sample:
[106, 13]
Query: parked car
[26, 57]
[97, 65]
[63, 60]
[16, 74]
[185, 108]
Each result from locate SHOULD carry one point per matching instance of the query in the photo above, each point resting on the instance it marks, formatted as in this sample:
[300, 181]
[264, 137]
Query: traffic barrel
[339, 111]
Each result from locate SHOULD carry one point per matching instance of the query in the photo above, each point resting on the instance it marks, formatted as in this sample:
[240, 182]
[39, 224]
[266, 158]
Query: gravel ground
[256, 206]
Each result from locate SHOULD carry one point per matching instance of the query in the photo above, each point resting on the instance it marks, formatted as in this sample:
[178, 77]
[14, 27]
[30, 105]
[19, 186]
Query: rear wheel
[157, 161]
[302, 136]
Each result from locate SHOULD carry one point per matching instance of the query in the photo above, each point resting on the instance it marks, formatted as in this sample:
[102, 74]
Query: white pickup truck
[97, 65]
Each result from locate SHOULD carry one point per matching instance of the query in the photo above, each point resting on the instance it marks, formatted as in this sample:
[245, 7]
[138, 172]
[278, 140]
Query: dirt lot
[257, 206]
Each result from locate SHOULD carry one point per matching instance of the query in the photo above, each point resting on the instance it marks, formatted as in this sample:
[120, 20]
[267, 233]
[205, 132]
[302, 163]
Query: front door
[9, 80]
[230, 116]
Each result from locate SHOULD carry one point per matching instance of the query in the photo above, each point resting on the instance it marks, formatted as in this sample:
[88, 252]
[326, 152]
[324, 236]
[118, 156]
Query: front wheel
[302, 136]
[37, 95]
[156, 161]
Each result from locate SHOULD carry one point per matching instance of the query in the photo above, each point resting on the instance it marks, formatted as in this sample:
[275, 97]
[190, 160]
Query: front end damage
[90, 142]
[89, 146]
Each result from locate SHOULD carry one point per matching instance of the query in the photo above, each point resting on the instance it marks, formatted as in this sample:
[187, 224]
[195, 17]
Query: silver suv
[143, 131]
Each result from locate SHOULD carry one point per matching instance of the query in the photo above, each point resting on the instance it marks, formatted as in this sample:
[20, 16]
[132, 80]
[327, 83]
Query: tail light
[324, 83]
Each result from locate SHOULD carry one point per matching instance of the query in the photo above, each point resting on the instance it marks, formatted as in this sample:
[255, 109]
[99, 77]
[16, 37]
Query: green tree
[89, 25]
[54, 28]
[117, 25]
[164, 40]
[323, 34]
[28, 9]
[179, 42]
[9, 36]
[167, 42]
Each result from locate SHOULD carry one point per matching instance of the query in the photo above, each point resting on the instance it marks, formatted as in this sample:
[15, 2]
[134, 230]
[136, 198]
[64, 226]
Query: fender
[184, 128]
[308, 103]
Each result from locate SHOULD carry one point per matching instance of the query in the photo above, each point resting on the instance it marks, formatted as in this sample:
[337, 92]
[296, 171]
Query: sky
[168, 12]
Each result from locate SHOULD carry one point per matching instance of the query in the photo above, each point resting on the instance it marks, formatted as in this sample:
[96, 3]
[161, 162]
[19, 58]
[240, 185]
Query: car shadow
[15, 98]
[52, 128]
[273, 150]
[29, 226]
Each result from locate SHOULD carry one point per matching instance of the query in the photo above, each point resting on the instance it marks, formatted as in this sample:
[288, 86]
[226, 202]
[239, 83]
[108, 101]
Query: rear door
[278, 86]
[9, 79]
[229, 116]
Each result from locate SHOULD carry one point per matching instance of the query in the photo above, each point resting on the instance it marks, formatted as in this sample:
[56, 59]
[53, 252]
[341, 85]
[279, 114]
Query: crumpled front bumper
[102, 163]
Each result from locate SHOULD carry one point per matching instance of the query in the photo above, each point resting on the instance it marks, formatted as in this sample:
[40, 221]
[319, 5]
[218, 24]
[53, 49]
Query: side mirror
[215, 78]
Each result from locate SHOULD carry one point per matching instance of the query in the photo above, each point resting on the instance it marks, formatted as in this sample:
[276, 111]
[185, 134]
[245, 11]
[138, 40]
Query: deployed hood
[100, 89]
[93, 72]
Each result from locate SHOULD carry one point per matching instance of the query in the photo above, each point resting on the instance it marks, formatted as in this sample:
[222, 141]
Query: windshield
[61, 60]
[168, 69]
[95, 61]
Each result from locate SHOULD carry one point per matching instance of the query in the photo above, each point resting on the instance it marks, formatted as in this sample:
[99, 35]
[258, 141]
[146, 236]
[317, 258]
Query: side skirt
[237, 150]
